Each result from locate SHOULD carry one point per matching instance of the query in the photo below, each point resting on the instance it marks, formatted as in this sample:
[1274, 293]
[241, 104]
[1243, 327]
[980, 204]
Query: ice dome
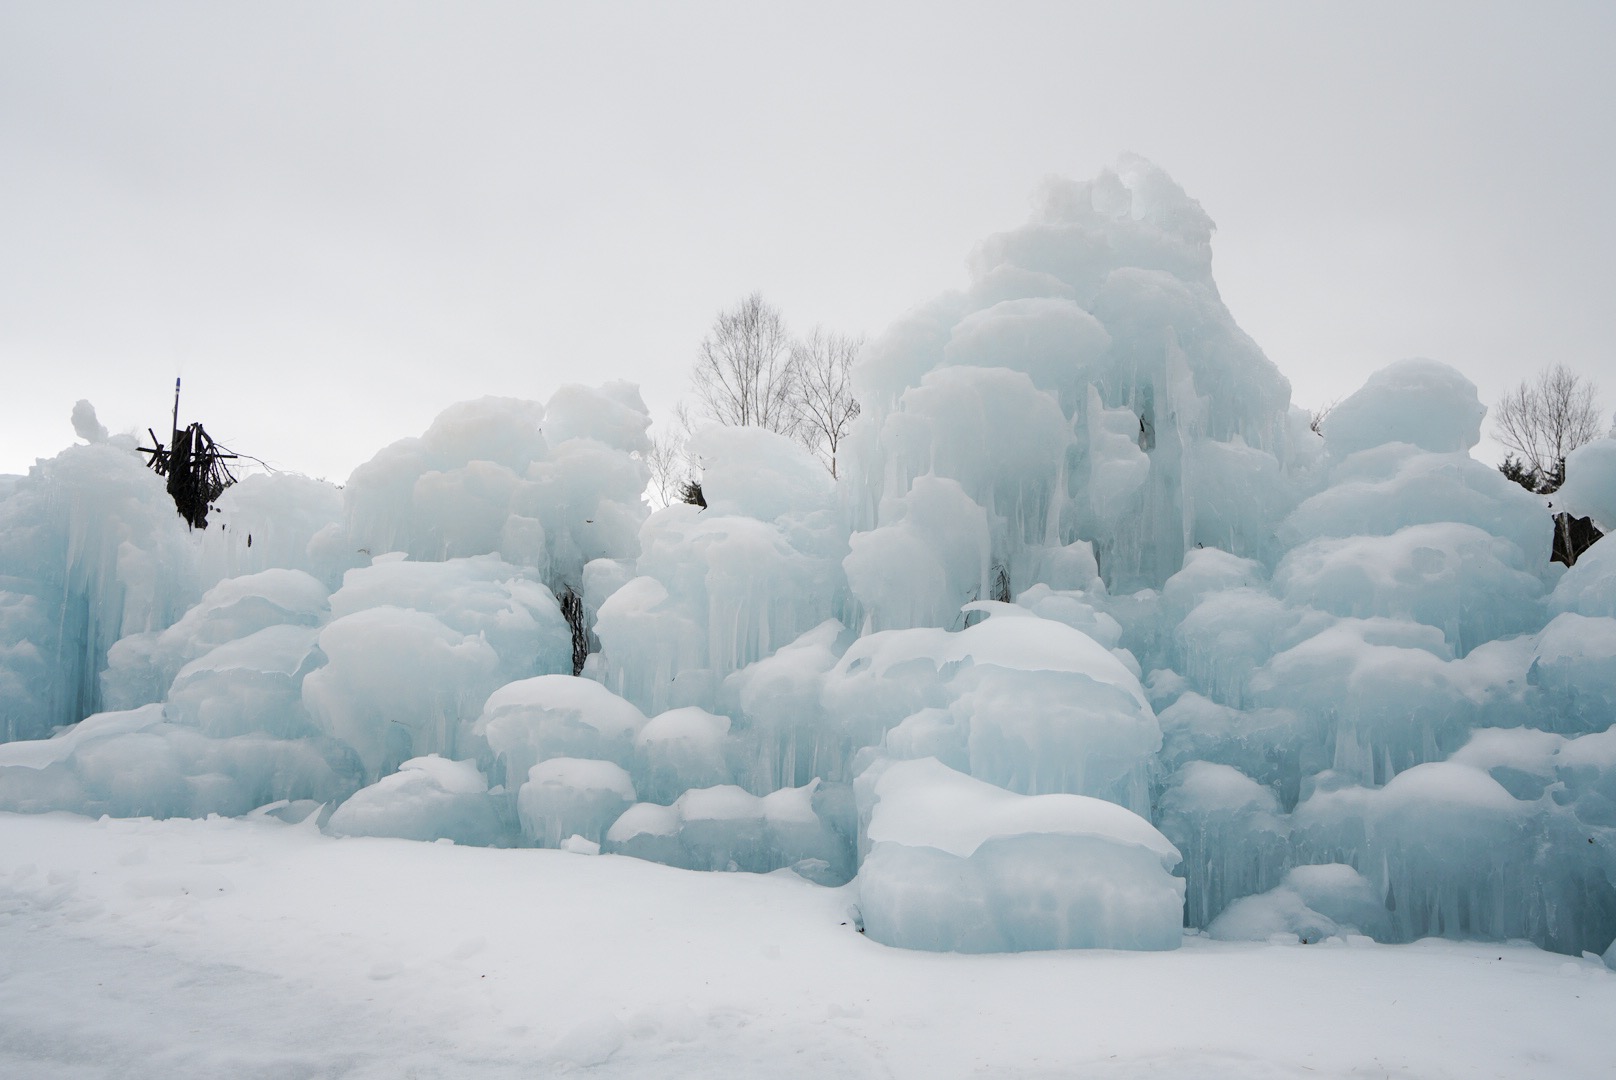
[1420, 402]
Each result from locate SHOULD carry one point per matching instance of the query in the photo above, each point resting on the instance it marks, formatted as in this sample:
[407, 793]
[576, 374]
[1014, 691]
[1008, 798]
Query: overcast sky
[335, 219]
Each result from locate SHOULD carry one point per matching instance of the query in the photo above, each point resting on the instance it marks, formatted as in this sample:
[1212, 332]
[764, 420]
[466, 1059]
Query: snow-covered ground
[251, 948]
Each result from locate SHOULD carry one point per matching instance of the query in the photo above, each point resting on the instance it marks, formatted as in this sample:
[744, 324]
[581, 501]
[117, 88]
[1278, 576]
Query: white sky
[334, 220]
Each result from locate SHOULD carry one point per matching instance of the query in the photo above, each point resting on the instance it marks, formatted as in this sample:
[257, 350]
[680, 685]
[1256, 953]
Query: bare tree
[1545, 419]
[824, 395]
[744, 373]
[669, 466]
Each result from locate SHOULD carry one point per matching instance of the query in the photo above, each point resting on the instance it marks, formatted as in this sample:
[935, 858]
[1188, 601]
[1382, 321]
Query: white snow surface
[194, 949]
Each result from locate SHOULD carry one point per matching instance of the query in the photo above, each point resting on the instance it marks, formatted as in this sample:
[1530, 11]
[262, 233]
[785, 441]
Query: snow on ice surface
[1590, 487]
[186, 950]
[566, 797]
[954, 864]
[1418, 401]
[1312, 904]
[726, 828]
[428, 798]
[557, 716]
[1366, 681]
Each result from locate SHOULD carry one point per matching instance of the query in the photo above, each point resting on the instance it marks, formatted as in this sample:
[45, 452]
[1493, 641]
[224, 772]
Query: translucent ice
[566, 796]
[1422, 402]
[137, 763]
[140, 667]
[397, 684]
[1231, 834]
[1468, 583]
[679, 750]
[1311, 904]
[428, 798]
[726, 828]
[955, 864]
[91, 551]
[1590, 487]
[251, 684]
[552, 716]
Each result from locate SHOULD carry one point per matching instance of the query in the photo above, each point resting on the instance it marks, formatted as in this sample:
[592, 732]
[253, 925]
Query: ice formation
[952, 863]
[1094, 639]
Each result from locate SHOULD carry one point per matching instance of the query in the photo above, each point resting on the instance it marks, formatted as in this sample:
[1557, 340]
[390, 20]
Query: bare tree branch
[670, 467]
[1315, 418]
[744, 369]
[824, 395]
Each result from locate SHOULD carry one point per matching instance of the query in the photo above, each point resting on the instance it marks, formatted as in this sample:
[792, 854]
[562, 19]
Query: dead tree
[195, 466]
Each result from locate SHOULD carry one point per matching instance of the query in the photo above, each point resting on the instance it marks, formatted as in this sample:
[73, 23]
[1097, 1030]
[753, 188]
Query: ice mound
[1275, 747]
[1585, 771]
[1449, 850]
[758, 474]
[1046, 708]
[487, 478]
[927, 558]
[1073, 393]
[1230, 832]
[92, 551]
[251, 684]
[556, 716]
[1312, 903]
[1387, 687]
[718, 589]
[1466, 582]
[1590, 485]
[565, 797]
[1049, 338]
[141, 667]
[955, 864]
[1130, 215]
[1522, 760]
[86, 425]
[466, 466]
[1207, 572]
[727, 828]
[1589, 588]
[1422, 402]
[1380, 491]
[612, 414]
[785, 732]
[277, 520]
[505, 606]
[1229, 636]
[1574, 665]
[1074, 608]
[396, 685]
[992, 431]
[679, 750]
[428, 798]
[1041, 732]
[139, 764]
